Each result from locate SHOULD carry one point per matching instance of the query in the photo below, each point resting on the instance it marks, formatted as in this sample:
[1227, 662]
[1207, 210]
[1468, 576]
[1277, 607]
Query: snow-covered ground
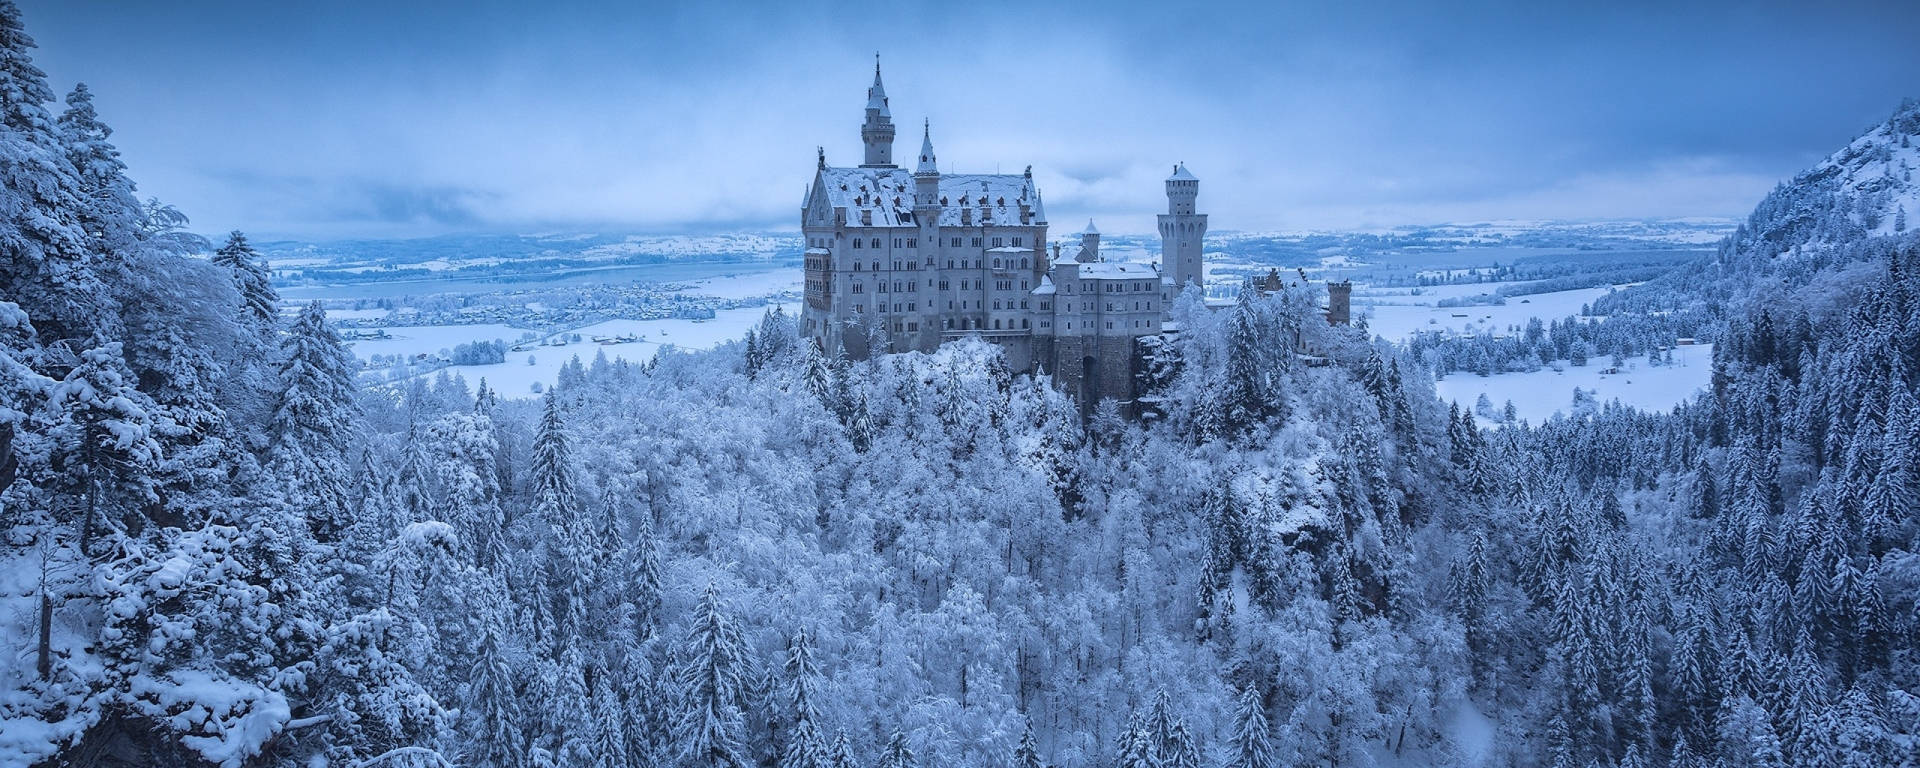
[1398, 317]
[1539, 395]
[516, 377]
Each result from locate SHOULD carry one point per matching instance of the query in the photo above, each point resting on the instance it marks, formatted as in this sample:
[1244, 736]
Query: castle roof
[927, 163]
[877, 95]
[994, 198]
[1090, 230]
[1180, 173]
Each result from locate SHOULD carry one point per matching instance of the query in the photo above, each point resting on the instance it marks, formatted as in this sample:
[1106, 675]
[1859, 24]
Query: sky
[345, 119]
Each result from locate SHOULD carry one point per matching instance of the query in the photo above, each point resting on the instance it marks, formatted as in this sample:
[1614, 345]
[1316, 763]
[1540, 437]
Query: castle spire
[927, 163]
[876, 134]
[877, 94]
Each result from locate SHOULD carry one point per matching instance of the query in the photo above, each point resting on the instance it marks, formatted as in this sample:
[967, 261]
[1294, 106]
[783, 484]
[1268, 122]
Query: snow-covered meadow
[541, 364]
[1538, 395]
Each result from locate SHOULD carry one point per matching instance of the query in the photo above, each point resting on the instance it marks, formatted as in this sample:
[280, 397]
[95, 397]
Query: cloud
[358, 118]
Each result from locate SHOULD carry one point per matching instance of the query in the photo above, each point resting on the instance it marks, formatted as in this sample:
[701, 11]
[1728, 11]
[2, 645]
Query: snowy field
[1539, 395]
[1398, 316]
[515, 377]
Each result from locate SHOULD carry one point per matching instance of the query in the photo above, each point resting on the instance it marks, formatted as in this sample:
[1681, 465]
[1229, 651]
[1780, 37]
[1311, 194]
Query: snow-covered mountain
[1866, 189]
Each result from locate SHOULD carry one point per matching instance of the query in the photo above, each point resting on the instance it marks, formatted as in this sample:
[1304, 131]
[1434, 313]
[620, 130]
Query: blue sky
[350, 118]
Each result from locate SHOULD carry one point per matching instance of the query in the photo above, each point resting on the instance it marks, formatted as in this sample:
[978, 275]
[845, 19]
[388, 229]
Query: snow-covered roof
[1179, 169]
[994, 198]
[1089, 230]
[1046, 286]
[1119, 270]
[818, 252]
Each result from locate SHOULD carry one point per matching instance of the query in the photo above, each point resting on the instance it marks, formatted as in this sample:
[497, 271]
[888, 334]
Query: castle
[898, 261]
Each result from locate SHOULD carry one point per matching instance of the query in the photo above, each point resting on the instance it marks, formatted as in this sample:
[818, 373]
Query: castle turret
[877, 132]
[1181, 231]
[1340, 302]
[1089, 244]
[926, 175]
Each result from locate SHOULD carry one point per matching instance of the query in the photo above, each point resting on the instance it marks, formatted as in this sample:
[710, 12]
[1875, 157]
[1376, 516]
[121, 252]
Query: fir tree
[259, 302]
[712, 680]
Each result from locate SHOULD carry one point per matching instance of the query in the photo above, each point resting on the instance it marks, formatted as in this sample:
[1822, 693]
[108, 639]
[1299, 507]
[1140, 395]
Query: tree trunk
[44, 663]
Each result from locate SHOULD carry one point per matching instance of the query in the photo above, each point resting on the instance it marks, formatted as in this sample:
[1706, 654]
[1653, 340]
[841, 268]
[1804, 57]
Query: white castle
[899, 261]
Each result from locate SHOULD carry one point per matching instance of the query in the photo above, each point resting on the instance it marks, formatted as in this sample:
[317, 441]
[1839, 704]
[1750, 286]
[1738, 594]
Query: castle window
[943, 285]
[996, 324]
[913, 327]
[910, 307]
[996, 242]
[1016, 242]
[1046, 305]
[976, 242]
[1023, 303]
[1025, 323]
[1023, 283]
[876, 242]
[996, 303]
[876, 265]
[996, 263]
[1023, 261]
[856, 288]
[1109, 325]
[956, 242]
[896, 242]
[1045, 324]
[858, 308]
[856, 243]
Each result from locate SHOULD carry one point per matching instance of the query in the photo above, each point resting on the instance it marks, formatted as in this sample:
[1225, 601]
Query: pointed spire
[1090, 230]
[877, 95]
[927, 164]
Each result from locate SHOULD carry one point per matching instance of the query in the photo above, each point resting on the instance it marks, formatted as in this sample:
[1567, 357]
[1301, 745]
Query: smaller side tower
[1340, 303]
[1089, 244]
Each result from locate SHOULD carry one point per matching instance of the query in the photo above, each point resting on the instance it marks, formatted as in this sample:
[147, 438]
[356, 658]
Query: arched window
[996, 263]
[996, 324]
[1023, 263]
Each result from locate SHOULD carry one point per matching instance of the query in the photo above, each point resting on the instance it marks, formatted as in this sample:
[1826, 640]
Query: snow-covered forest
[218, 551]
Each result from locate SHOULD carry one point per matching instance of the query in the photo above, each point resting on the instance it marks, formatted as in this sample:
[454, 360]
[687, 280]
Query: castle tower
[877, 132]
[1340, 302]
[1089, 244]
[1181, 230]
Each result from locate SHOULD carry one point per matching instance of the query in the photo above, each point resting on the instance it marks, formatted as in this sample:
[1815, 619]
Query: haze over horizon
[378, 120]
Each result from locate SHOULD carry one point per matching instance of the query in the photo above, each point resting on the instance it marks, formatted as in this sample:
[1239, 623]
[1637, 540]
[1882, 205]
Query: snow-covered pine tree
[1251, 747]
[712, 679]
[313, 423]
[805, 746]
[259, 302]
[897, 753]
[48, 267]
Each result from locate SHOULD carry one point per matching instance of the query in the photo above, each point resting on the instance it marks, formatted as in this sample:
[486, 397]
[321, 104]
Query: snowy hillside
[1866, 189]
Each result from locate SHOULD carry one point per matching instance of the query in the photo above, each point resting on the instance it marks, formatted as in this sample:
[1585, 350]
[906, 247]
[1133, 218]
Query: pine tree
[897, 754]
[712, 680]
[259, 302]
[313, 422]
[103, 452]
[1251, 748]
[1027, 754]
[571, 554]
[47, 267]
[493, 701]
[805, 745]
